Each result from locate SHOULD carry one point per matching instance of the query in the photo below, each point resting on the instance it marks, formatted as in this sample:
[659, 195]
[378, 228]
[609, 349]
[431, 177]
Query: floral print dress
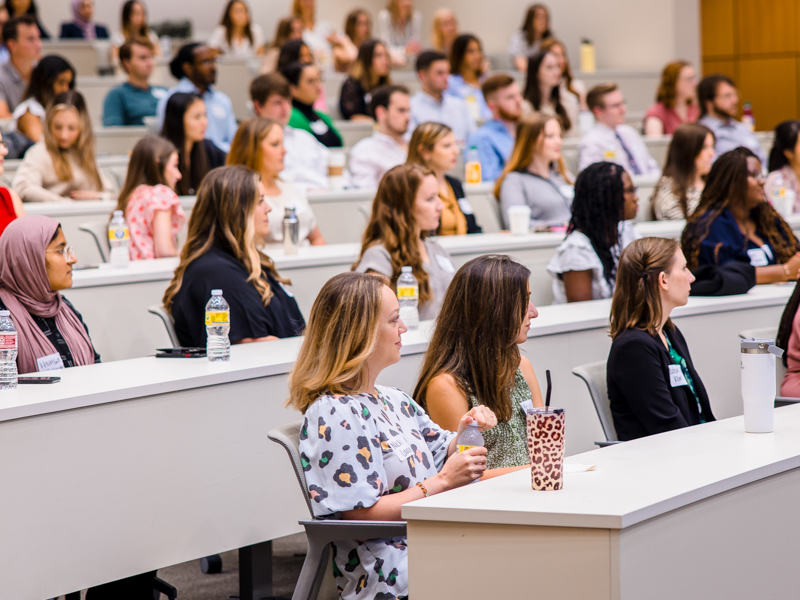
[355, 449]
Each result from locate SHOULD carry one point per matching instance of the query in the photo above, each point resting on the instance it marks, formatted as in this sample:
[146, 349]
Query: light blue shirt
[468, 93]
[732, 134]
[494, 144]
[221, 121]
[451, 111]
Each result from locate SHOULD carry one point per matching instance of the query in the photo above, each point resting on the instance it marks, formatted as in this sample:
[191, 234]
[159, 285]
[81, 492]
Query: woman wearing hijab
[83, 25]
[35, 265]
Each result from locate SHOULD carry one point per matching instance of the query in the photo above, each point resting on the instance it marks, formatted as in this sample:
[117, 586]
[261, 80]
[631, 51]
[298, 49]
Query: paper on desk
[578, 468]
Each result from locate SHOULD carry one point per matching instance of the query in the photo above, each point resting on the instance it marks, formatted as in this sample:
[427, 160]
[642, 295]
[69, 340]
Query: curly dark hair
[597, 209]
[726, 186]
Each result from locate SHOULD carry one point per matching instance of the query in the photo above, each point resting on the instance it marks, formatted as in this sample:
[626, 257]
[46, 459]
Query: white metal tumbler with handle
[758, 383]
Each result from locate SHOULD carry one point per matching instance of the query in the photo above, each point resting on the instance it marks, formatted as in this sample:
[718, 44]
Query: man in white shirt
[610, 139]
[432, 104]
[386, 147]
[306, 160]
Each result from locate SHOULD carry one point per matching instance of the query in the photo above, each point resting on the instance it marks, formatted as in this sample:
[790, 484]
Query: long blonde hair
[223, 217]
[436, 32]
[425, 137]
[82, 149]
[340, 336]
[246, 148]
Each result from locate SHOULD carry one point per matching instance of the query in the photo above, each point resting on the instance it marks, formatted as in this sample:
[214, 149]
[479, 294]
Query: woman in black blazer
[652, 383]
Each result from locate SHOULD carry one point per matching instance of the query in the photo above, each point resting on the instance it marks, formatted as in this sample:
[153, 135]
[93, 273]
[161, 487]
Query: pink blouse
[142, 206]
[669, 117]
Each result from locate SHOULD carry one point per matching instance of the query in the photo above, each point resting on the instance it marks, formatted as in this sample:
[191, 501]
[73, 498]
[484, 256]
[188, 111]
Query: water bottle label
[217, 316]
[409, 292]
[473, 172]
[118, 234]
[462, 447]
[8, 341]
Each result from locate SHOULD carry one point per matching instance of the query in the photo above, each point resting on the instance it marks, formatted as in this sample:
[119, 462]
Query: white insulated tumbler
[758, 383]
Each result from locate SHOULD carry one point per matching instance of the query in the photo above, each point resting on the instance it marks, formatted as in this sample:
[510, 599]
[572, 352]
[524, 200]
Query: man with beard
[495, 138]
[719, 103]
[195, 66]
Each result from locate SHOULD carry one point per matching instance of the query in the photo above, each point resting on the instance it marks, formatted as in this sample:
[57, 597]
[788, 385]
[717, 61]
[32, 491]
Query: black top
[352, 99]
[458, 190]
[217, 269]
[642, 400]
[72, 31]
[54, 336]
[215, 158]
[329, 137]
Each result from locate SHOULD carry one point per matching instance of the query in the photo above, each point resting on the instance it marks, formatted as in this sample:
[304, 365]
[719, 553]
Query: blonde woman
[444, 30]
[357, 436]
[258, 145]
[63, 166]
[534, 175]
[400, 28]
[221, 252]
[434, 146]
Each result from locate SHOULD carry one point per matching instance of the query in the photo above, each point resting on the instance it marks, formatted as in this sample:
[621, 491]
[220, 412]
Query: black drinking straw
[549, 389]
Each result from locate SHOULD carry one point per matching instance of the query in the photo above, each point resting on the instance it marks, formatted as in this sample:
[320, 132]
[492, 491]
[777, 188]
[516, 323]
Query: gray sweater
[550, 199]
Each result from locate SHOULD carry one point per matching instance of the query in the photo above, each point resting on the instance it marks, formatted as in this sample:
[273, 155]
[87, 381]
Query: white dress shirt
[451, 111]
[306, 161]
[602, 143]
[371, 157]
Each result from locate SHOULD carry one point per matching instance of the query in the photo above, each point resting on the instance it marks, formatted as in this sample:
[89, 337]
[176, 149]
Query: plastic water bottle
[8, 352]
[472, 167]
[408, 298]
[291, 231]
[747, 116]
[218, 325]
[119, 238]
[470, 438]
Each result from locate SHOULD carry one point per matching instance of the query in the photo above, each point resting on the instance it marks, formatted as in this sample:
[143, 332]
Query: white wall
[627, 33]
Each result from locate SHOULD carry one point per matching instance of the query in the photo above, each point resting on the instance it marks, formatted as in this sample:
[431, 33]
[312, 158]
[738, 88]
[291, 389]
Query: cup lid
[760, 346]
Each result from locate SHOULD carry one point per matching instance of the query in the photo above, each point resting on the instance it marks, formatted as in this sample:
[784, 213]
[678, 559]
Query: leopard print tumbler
[546, 448]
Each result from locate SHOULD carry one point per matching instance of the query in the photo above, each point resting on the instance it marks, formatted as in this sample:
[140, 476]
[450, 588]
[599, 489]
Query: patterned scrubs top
[506, 443]
[354, 450]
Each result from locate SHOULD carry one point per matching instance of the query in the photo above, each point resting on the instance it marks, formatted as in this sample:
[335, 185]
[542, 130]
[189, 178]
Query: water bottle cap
[5, 313]
[473, 424]
[216, 292]
[117, 213]
[406, 269]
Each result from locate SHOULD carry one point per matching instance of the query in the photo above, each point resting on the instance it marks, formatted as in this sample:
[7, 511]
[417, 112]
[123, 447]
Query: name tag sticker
[218, 111]
[319, 127]
[609, 155]
[51, 362]
[465, 206]
[758, 258]
[676, 377]
[445, 264]
[400, 447]
[158, 93]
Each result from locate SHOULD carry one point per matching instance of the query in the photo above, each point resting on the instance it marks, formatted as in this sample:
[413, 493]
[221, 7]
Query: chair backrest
[99, 232]
[594, 375]
[288, 436]
[168, 321]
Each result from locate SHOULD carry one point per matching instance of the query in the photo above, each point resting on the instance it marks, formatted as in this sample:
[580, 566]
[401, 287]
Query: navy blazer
[70, 31]
[642, 400]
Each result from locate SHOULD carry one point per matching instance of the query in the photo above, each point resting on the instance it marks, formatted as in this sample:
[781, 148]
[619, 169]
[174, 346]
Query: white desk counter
[703, 512]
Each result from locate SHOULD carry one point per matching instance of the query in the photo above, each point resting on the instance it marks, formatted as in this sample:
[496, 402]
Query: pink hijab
[87, 27]
[25, 290]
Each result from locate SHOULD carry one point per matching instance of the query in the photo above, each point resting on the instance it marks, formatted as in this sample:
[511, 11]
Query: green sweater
[331, 138]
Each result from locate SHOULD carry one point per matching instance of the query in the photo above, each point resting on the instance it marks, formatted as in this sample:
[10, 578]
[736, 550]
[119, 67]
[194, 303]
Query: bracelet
[423, 488]
[787, 271]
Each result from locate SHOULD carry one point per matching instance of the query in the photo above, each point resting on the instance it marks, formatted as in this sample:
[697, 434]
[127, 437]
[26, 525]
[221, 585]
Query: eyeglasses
[616, 106]
[67, 252]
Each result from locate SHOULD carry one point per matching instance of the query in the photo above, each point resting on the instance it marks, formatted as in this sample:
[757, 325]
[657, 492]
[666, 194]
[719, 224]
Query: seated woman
[475, 361]
[305, 85]
[62, 166]
[52, 76]
[676, 100]
[35, 266]
[367, 431]
[734, 222]
[236, 34]
[400, 28]
[534, 175]
[357, 30]
[652, 383]
[133, 25]
[369, 71]
[185, 125]
[288, 29]
[784, 163]
[82, 25]
[585, 264]
[444, 30]
[527, 40]
[405, 212]
[689, 159]
[148, 199]
[569, 84]
[221, 252]
[17, 8]
[468, 65]
[544, 92]
[10, 203]
[434, 146]
[258, 145]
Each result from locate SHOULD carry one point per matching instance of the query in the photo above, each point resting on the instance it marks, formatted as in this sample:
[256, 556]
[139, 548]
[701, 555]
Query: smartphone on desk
[37, 380]
[182, 352]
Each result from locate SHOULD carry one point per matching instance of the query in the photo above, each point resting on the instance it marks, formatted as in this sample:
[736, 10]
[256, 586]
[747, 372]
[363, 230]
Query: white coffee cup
[336, 163]
[519, 219]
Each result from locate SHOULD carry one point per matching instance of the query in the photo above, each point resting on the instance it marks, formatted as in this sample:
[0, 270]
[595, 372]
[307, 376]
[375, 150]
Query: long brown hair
[339, 338]
[637, 297]
[530, 135]
[686, 145]
[246, 147]
[475, 339]
[726, 186]
[527, 23]
[425, 137]
[149, 157]
[547, 46]
[227, 22]
[362, 71]
[392, 224]
[83, 148]
[667, 92]
[223, 217]
[533, 92]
